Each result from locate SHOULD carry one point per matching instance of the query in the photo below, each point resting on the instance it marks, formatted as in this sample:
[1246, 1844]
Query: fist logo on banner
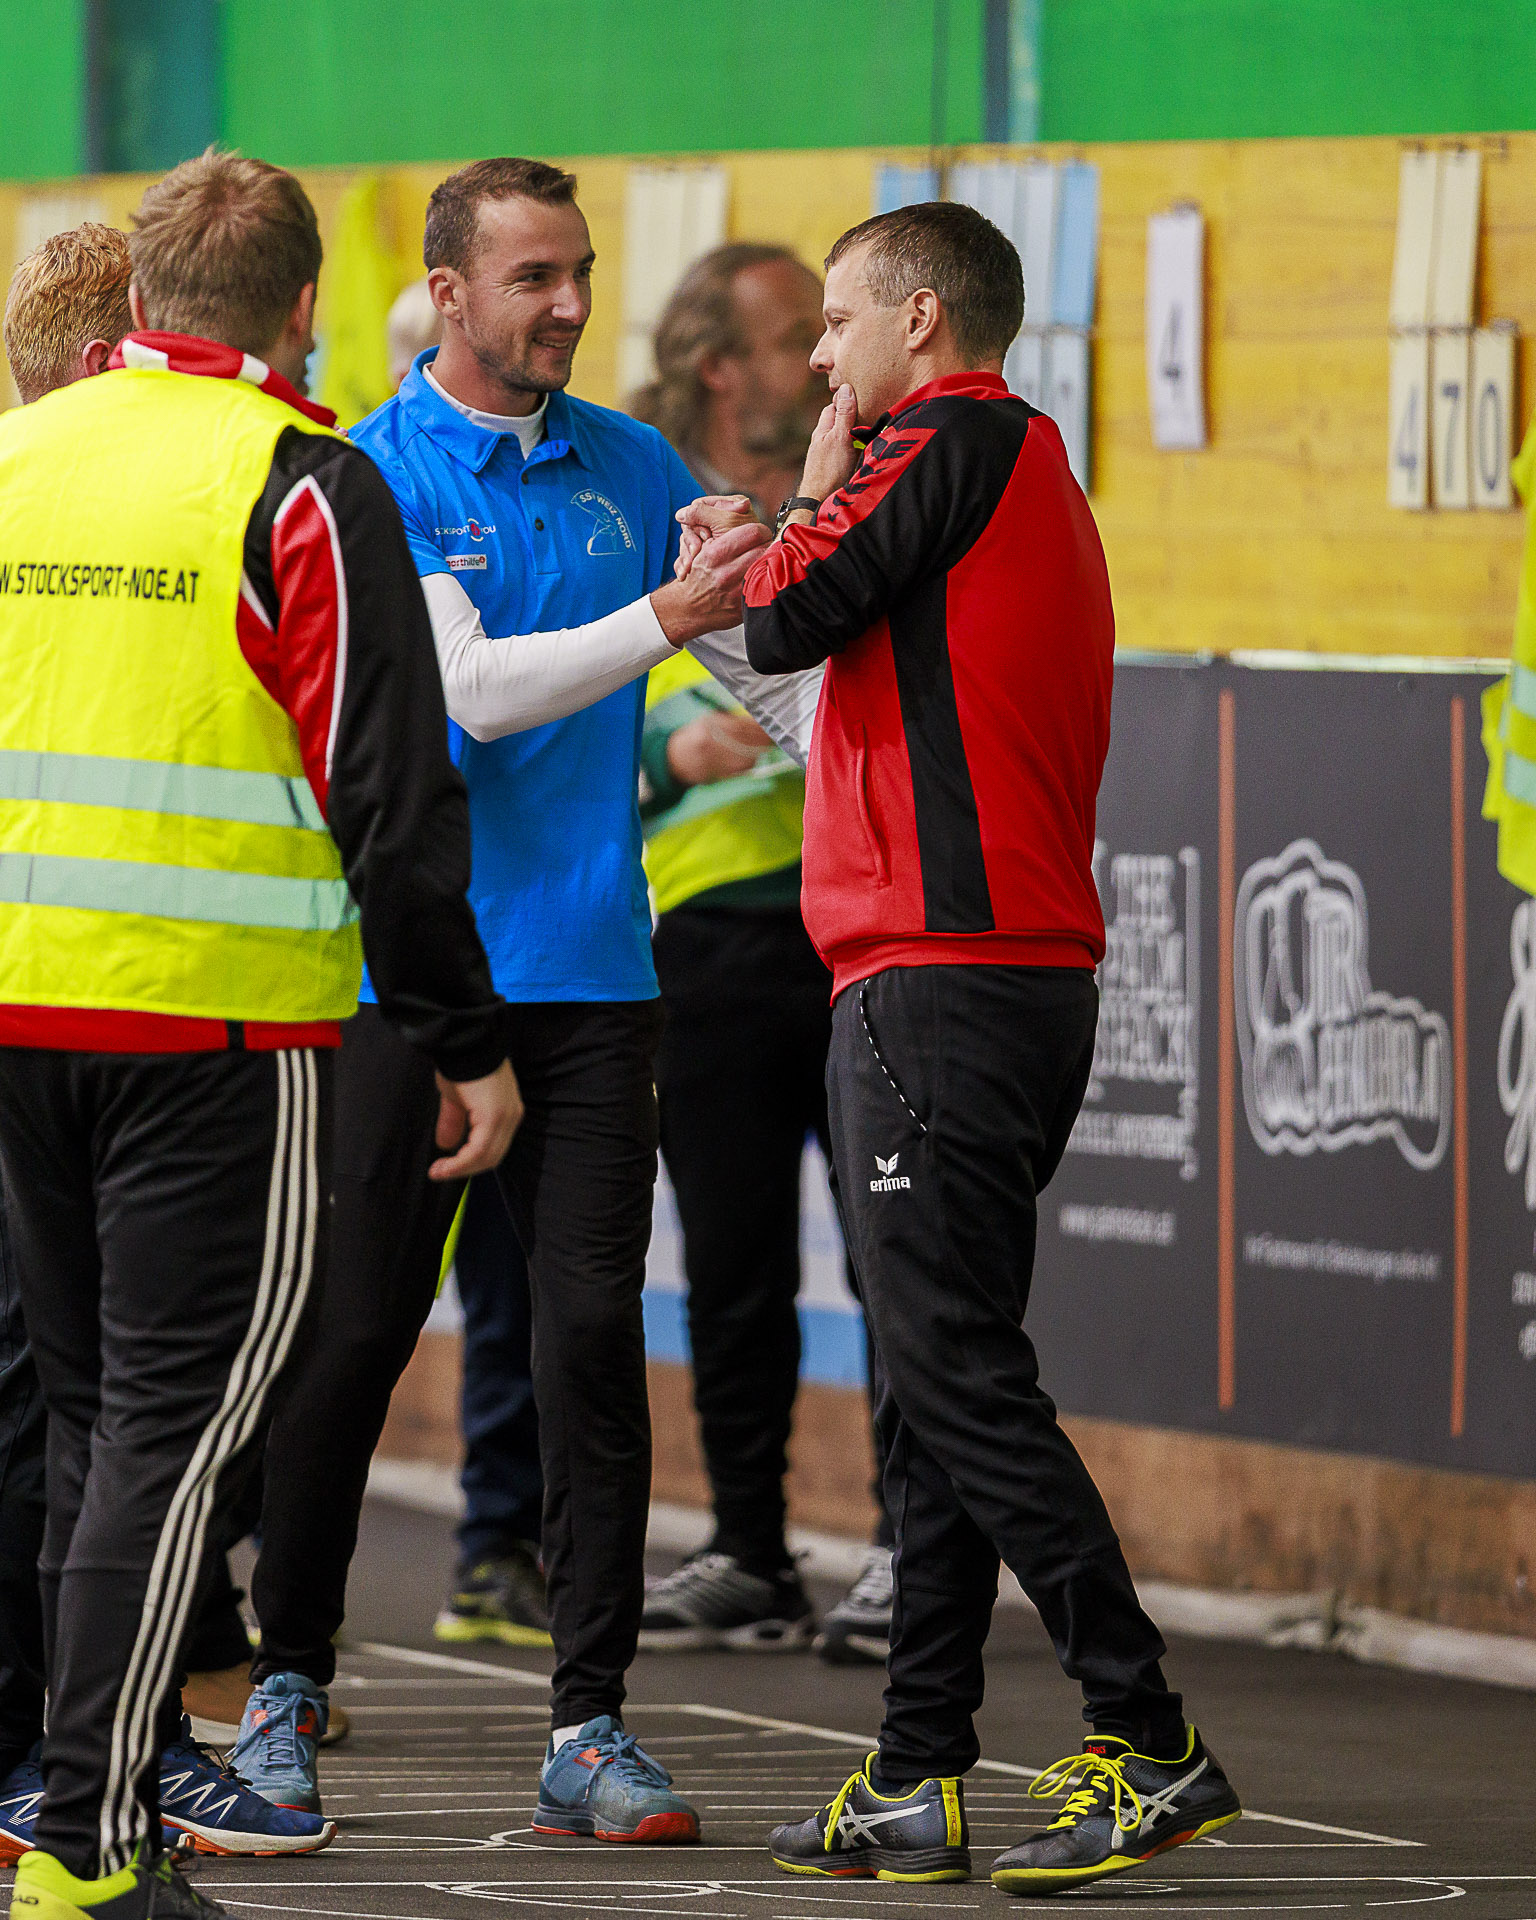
[1329, 1061]
[1517, 1052]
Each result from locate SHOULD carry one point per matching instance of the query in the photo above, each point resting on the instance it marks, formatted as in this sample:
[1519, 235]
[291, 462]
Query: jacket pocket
[876, 845]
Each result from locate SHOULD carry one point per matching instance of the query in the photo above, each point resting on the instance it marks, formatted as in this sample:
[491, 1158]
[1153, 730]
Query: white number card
[1408, 414]
[1492, 415]
[1176, 327]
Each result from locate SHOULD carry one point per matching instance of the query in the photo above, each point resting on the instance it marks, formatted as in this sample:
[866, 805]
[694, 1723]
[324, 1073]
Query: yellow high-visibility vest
[731, 829]
[1509, 709]
[160, 848]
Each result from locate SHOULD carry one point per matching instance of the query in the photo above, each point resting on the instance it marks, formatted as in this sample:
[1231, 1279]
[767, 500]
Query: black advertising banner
[1124, 1303]
[1300, 1202]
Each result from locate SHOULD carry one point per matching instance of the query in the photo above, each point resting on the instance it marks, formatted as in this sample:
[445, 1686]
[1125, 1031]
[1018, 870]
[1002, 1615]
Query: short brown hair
[699, 321]
[71, 290]
[453, 212]
[222, 247]
[955, 252]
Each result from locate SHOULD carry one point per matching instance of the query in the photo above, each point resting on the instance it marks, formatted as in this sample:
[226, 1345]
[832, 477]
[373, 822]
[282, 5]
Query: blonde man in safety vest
[222, 773]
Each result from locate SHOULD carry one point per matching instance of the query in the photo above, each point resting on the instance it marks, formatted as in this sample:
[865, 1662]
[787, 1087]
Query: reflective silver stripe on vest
[161, 786]
[175, 893]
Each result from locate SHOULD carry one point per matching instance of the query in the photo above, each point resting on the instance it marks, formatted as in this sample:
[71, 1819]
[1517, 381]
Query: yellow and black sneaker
[1128, 1808]
[919, 1835]
[501, 1598]
[45, 1889]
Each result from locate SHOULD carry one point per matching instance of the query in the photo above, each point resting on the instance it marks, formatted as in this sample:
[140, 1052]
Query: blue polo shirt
[580, 528]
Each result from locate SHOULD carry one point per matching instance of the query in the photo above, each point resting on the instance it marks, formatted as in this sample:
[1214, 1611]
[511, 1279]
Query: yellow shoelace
[1100, 1776]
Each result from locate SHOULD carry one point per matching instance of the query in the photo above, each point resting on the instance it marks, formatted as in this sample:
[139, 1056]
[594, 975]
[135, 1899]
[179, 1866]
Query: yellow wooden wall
[1277, 535]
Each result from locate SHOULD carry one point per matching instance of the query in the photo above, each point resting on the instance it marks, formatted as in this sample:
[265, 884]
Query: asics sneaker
[499, 1598]
[202, 1797]
[858, 1629]
[21, 1795]
[285, 1719]
[1128, 1808]
[604, 1784]
[712, 1601]
[861, 1834]
[45, 1889]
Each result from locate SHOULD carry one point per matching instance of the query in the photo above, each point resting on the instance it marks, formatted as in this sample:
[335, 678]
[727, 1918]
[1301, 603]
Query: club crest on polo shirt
[610, 532]
[890, 1181]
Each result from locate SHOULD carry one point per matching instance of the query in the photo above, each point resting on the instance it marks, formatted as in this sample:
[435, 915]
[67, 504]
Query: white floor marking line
[837, 1738]
[453, 1663]
[372, 1707]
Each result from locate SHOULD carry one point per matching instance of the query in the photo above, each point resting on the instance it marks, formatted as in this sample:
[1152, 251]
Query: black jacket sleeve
[396, 804]
[928, 484]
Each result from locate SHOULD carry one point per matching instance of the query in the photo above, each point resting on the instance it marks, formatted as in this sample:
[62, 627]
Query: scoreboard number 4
[1408, 408]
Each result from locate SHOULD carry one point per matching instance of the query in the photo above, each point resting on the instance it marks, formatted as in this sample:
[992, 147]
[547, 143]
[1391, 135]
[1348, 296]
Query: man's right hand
[479, 1117]
[709, 596]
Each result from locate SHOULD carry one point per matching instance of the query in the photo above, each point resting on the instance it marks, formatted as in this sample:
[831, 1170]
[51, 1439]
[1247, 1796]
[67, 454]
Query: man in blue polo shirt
[544, 532]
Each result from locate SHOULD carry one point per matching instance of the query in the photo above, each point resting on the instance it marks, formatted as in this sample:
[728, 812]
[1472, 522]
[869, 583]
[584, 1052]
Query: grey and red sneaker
[1126, 1808]
[605, 1785]
[285, 1720]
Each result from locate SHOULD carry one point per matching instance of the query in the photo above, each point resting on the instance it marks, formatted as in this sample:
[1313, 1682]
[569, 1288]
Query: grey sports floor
[1370, 1791]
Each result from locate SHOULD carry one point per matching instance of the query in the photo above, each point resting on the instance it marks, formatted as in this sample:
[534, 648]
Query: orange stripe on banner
[1226, 1059]
[1459, 1059]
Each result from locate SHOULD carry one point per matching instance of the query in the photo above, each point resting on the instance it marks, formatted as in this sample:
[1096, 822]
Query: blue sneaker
[21, 1795]
[280, 1731]
[201, 1797]
[603, 1784]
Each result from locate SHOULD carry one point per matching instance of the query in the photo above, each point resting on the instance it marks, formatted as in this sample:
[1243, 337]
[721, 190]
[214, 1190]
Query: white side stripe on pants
[293, 1212]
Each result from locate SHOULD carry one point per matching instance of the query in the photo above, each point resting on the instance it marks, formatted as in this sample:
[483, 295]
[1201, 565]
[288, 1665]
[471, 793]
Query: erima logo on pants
[890, 1180]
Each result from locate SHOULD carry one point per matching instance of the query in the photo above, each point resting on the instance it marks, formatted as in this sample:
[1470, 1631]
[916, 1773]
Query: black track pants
[23, 1439]
[167, 1215]
[578, 1182]
[952, 1091]
[388, 1226]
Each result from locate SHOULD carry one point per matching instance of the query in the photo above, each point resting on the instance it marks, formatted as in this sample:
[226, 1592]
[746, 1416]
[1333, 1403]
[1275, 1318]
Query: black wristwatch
[796, 503]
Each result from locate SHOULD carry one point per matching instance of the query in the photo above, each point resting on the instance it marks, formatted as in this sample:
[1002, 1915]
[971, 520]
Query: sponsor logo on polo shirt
[467, 562]
[472, 528]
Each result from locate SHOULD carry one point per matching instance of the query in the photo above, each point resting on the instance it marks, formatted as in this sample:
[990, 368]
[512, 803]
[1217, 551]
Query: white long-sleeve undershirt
[495, 686]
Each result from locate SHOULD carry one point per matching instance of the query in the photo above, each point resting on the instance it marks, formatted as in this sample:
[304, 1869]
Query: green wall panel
[373, 81]
[42, 88]
[1220, 69]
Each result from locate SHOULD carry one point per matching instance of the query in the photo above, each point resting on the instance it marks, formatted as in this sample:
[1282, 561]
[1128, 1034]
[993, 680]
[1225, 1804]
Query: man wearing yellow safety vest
[741, 1066]
[222, 775]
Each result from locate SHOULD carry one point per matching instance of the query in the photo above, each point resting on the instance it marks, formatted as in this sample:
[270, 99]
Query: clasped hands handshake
[721, 536]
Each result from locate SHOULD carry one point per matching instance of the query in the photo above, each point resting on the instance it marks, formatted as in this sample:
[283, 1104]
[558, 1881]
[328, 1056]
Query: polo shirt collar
[564, 432]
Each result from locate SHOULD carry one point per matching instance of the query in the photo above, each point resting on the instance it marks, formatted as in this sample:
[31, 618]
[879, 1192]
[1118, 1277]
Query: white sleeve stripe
[307, 486]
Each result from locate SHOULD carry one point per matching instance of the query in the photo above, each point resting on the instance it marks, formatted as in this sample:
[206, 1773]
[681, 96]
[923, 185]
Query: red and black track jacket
[332, 622]
[958, 591]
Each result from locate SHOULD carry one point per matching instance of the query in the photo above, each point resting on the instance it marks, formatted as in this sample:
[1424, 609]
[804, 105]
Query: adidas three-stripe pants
[167, 1217]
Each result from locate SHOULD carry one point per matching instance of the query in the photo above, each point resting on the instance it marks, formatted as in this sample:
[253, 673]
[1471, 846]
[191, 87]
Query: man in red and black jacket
[953, 582]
